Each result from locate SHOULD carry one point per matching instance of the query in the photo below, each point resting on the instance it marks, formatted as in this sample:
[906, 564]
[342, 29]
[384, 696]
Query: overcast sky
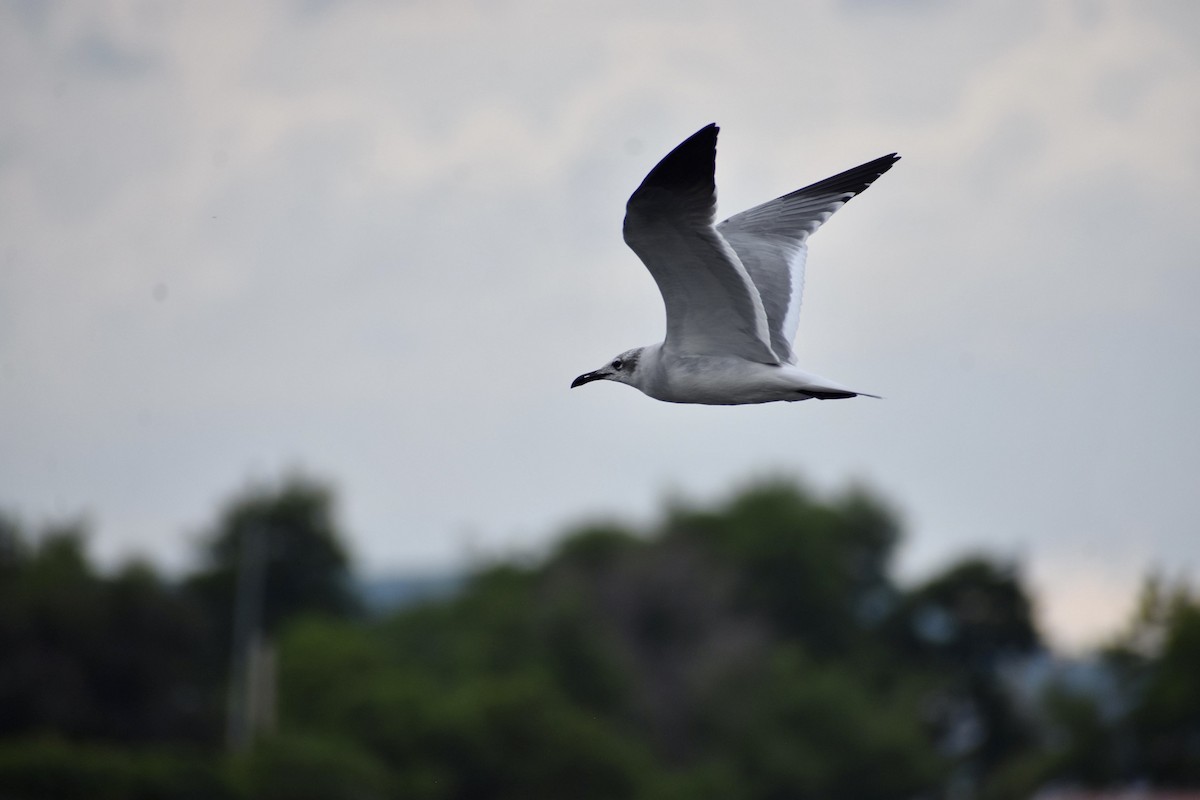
[377, 240]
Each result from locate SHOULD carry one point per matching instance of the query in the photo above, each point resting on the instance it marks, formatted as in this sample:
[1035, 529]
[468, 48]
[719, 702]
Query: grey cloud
[357, 219]
[99, 54]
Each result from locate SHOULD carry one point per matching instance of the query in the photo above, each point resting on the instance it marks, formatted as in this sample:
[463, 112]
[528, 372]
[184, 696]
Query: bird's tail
[837, 394]
[821, 388]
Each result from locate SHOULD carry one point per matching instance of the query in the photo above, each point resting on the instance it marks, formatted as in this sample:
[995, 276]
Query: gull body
[732, 290]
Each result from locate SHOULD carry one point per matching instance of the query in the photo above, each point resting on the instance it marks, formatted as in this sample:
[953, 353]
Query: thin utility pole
[247, 636]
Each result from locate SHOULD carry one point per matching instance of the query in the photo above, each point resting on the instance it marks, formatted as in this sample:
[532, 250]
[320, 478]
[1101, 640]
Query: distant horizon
[1069, 642]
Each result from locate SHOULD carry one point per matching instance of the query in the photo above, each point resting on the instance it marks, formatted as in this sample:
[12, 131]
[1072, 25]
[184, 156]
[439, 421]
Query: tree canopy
[755, 648]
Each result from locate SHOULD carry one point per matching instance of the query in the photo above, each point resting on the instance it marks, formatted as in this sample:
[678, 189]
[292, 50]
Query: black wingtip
[693, 161]
[854, 180]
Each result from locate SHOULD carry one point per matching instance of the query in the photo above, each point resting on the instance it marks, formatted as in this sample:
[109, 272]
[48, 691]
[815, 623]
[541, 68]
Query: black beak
[587, 377]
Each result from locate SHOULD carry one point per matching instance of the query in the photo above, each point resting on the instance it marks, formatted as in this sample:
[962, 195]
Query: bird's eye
[617, 364]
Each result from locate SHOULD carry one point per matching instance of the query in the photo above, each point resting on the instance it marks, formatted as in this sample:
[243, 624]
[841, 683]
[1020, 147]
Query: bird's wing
[713, 307]
[770, 240]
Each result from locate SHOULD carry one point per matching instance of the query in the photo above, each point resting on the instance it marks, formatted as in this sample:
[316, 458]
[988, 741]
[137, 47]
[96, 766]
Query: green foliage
[1160, 659]
[960, 628]
[499, 732]
[50, 769]
[305, 565]
[83, 655]
[817, 571]
[668, 664]
[813, 729]
[1083, 748]
[972, 616]
[757, 649]
[291, 767]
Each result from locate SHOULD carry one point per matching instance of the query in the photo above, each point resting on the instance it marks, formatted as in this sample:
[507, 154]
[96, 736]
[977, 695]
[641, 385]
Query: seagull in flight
[732, 289]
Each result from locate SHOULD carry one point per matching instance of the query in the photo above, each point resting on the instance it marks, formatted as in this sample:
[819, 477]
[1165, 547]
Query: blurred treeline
[758, 649]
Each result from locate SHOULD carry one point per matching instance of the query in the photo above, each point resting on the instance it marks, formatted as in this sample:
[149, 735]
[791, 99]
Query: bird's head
[622, 369]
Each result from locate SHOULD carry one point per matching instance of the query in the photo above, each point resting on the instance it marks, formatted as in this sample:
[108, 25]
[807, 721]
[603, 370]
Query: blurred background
[296, 501]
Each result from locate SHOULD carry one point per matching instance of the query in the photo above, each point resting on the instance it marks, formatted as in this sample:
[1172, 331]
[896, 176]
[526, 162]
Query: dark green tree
[85, 655]
[973, 616]
[289, 534]
[751, 649]
[962, 626]
[817, 570]
[1158, 661]
[678, 662]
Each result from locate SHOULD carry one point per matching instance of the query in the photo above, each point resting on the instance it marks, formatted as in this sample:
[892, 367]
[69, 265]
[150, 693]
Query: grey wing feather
[712, 305]
[770, 240]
